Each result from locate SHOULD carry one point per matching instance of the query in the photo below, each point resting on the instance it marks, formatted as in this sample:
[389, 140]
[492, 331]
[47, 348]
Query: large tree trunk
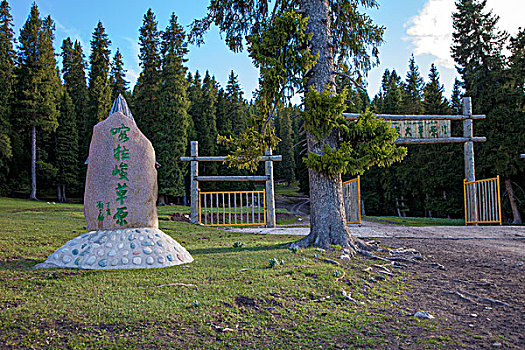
[515, 212]
[32, 196]
[328, 218]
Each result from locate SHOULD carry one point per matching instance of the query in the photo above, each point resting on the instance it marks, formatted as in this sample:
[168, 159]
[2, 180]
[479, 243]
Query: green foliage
[282, 54]
[99, 88]
[286, 168]
[73, 73]
[146, 93]
[67, 143]
[248, 147]
[170, 136]
[117, 81]
[7, 66]
[366, 142]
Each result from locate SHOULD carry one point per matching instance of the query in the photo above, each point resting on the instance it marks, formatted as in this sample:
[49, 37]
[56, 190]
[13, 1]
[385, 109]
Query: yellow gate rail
[351, 192]
[232, 208]
[482, 201]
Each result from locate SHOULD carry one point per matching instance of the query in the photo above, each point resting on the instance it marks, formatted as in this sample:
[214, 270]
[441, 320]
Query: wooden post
[194, 185]
[468, 150]
[270, 198]
[468, 131]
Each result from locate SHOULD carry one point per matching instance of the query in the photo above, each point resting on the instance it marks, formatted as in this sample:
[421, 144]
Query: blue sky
[419, 27]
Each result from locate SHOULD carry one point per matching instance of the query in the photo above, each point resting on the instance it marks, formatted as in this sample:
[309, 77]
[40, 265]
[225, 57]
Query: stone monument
[119, 204]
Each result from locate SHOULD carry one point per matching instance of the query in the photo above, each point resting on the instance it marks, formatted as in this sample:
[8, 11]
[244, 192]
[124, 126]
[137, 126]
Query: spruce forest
[48, 110]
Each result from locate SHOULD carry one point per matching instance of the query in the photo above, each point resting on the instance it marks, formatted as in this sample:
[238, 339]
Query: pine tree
[7, 65]
[99, 88]
[73, 72]
[237, 105]
[117, 81]
[66, 147]
[441, 165]
[287, 166]
[171, 130]
[37, 82]
[456, 98]
[337, 30]
[477, 51]
[146, 92]
[392, 93]
[413, 89]
[477, 48]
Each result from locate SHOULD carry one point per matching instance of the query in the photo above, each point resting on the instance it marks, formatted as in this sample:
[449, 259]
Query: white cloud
[430, 31]
[70, 32]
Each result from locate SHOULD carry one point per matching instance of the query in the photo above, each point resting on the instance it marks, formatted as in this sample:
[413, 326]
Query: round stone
[91, 260]
[160, 259]
[74, 251]
[101, 253]
[125, 252]
[158, 251]
[131, 237]
[137, 260]
[147, 250]
[112, 252]
[114, 237]
[120, 245]
[103, 263]
[148, 244]
[65, 250]
[159, 243]
[136, 253]
[169, 257]
[95, 245]
[132, 245]
[138, 231]
[147, 230]
[150, 236]
[141, 238]
[66, 259]
[150, 260]
[73, 243]
[125, 261]
[109, 245]
[114, 262]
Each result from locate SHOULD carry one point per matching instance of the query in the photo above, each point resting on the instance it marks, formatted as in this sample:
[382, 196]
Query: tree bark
[515, 212]
[328, 218]
[32, 196]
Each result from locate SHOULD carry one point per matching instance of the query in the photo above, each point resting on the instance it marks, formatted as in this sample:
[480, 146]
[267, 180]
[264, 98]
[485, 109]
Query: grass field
[228, 297]
[415, 221]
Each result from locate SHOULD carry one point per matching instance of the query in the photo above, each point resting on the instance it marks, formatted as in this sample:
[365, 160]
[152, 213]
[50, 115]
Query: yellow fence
[482, 201]
[232, 208]
[352, 200]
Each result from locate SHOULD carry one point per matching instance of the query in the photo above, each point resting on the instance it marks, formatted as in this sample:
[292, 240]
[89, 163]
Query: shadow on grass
[223, 250]
[19, 263]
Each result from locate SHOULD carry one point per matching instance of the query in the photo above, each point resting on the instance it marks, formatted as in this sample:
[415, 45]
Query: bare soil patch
[478, 298]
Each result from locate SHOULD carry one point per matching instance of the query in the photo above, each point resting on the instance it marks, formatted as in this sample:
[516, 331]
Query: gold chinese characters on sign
[422, 129]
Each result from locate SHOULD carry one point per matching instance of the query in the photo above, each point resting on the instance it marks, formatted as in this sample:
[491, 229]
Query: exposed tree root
[469, 297]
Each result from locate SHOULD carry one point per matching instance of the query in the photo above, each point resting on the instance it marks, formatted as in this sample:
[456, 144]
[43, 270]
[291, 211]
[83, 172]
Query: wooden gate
[482, 201]
[232, 208]
[219, 205]
[352, 200]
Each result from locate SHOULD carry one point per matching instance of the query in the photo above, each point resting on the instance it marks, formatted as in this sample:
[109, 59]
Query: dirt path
[472, 280]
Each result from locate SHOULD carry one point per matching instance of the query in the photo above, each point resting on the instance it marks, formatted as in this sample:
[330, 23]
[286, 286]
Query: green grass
[415, 221]
[236, 300]
[285, 190]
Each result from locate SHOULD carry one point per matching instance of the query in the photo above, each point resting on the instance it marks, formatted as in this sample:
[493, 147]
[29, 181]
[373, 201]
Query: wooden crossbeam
[396, 117]
[224, 158]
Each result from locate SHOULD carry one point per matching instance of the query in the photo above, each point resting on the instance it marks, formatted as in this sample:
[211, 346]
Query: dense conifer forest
[47, 112]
